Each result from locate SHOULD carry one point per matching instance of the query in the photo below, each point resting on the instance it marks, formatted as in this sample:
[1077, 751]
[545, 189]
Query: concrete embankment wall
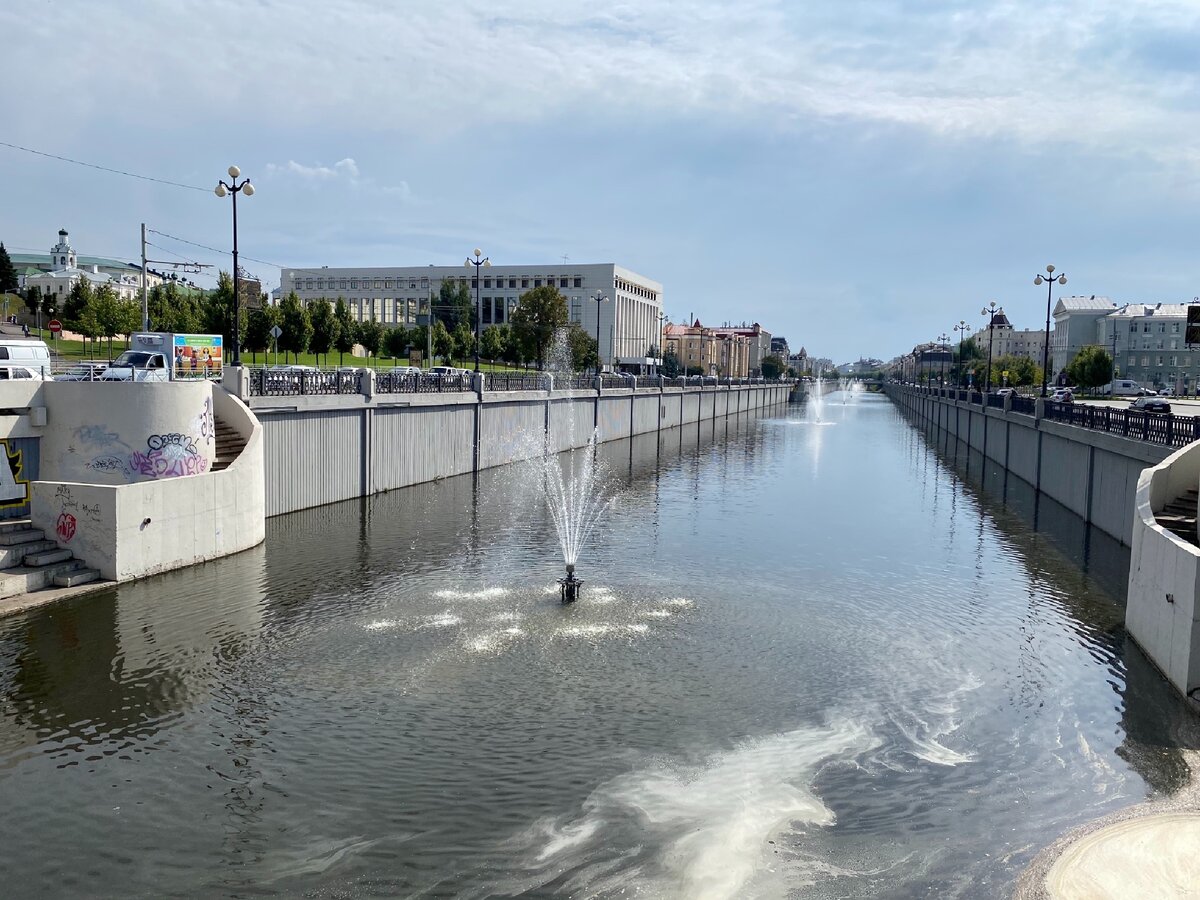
[322, 449]
[1091, 473]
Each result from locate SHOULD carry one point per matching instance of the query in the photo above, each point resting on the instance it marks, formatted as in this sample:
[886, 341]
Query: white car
[20, 373]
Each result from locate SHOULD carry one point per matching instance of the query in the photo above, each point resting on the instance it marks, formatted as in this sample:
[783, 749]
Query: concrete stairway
[29, 562]
[1179, 516]
[229, 445]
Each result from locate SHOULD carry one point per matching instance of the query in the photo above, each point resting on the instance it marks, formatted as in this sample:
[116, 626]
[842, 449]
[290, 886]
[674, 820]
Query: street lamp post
[943, 348]
[221, 190]
[990, 311]
[599, 298]
[478, 264]
[662, 349]
[962, 328]
[1038, 279]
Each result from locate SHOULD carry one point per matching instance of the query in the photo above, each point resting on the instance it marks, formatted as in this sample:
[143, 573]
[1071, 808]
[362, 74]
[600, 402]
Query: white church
[64, 272]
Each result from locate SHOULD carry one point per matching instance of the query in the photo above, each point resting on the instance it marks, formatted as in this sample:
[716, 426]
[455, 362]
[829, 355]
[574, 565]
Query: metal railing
[304, 382]
[1024, 405]
[412, 383]
[516, 381]
[1156, 428]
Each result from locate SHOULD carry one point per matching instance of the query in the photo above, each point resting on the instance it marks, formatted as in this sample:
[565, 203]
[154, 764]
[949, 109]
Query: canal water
[834, 659]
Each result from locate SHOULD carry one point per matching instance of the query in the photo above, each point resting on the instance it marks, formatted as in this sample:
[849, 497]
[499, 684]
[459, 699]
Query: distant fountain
[576, 490]
[817, 406]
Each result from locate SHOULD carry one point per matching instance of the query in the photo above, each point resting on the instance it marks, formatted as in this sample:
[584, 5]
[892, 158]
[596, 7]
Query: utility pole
[188, 267]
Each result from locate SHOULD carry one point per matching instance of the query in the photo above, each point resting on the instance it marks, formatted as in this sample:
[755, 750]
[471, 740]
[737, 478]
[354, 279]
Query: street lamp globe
[487, 263]
[248, 189]
[219, 190]
[1050, 269]
[1062, 279]
[234, 171]
[468, 263]
[1037, 279]
[478, 253]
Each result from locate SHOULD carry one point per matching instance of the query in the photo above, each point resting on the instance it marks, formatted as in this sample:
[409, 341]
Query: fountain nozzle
[568, 587]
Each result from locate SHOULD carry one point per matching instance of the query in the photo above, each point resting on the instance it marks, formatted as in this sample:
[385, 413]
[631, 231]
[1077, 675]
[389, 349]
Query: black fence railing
[302, 382]
[412, 383]
[516, 381]
[1157, 428]
[1024, 405]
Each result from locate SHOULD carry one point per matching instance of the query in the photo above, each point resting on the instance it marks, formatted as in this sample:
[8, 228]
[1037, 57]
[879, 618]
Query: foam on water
[441, 620]
[485, 594]
[708, 824]
[381, 625]
[656, 613]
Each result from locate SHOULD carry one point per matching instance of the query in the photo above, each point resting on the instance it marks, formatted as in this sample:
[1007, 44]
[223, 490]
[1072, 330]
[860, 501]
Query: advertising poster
[198, 355]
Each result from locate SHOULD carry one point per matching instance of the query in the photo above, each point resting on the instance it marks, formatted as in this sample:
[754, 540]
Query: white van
[34, 355]
[1121, 387]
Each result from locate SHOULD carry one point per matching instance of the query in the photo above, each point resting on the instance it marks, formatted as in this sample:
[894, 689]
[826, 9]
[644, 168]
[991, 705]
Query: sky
[858, 176]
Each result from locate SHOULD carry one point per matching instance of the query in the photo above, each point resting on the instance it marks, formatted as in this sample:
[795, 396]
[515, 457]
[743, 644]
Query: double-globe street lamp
[245, 187]
[599, 298]
[1038, 279]
[962, 328]
[478, 264]
[991, 311]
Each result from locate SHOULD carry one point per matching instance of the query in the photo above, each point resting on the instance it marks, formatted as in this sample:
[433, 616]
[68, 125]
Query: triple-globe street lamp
[234, 188]
[943, 347]
[1038, 279]
[991, 311]
[478, 264]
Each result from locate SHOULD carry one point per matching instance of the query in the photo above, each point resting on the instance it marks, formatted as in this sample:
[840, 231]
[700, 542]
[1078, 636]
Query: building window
[424, 284]
[342, 284]
[487, 282]
[578, 281]
[1145, 361]
[1158, 360]
[562, 282]
[537, 282]
[1174, 360]
[524, 282]
[354, 284]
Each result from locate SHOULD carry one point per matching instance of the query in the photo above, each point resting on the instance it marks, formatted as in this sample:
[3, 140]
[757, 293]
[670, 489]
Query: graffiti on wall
[203, 423]
[65, 528]
[14, 488]
[169, 456]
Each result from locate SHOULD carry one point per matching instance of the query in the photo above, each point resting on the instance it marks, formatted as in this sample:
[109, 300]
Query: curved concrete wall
[126, 432]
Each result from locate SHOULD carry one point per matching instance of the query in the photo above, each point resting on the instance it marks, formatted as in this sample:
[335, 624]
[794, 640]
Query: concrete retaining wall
[1091, 473]
[322, 449]
[131, 530]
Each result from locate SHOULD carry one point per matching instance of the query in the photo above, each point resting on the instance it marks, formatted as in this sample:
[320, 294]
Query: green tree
[671, 366]
[77, 303]
[324, 327]
[217, 311]
[258, 330]
[771, 367]
[370, 335]
[396, 342]
[33, 299]
[511, 352]
[454, 305]
[491, 343]
[1091, 367]
[464, 341]
[8, 272]
[296, 325]
[1017, 371]
[539, 313]
[347, 330]
[175, 308]
[585, 352]
[443, 343]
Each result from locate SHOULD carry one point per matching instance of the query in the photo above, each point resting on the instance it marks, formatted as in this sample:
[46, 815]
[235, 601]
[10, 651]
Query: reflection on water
[840, 660]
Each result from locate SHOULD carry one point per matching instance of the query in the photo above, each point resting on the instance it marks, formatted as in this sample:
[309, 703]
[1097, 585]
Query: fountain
[576, 496]
[818, 401]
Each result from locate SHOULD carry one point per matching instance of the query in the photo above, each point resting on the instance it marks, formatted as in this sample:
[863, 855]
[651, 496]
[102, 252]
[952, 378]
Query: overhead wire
[79, 162]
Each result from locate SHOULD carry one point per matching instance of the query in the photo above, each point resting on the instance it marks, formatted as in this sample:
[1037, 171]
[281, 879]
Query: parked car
[1122, 387]
[1063, 395]
[1146, 392]
[82, 372]
[448, 370]
[1151, 405]
[19, 373]
[405, 370]
[1005, 391]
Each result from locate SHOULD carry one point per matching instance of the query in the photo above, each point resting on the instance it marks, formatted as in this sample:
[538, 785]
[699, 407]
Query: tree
[464, 341]
[512, 352]
[396, 342]
[771, 367]
[8, 272]
[175, 308]
[347, 330]
[539, 313]
[1016, 371]
[296, 325]
[324, 327]
[370, 335]
[33, 299]
[443, 343]
[1091, 367]
[971, 359]
[453, 305]
[216, 311]
[77, 303]
[258, 329]
[585, 352]
[671, 366]
[491, 343]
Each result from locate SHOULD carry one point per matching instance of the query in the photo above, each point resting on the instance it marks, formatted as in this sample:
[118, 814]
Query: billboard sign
[1192, 332]
[197, 355]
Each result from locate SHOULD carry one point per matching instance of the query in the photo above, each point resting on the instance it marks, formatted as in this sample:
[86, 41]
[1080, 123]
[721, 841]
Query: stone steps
[29, 562]
[25, 535]
[229, 445]
[1180, 515]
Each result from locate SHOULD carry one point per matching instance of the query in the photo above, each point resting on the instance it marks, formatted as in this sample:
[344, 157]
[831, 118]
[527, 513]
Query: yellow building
[707, 351]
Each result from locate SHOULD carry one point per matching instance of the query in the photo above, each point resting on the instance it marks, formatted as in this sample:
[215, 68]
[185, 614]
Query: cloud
[345, 168]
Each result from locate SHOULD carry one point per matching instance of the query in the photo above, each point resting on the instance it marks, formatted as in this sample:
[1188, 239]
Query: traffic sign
[55, 326]
[276, 331]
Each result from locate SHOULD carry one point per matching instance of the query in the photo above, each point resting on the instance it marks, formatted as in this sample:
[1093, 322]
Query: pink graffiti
[66, 526]
[161, 464]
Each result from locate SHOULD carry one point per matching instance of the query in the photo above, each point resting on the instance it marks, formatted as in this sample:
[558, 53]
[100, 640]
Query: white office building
[628, 324]
[1148, 344]
[1075, 327]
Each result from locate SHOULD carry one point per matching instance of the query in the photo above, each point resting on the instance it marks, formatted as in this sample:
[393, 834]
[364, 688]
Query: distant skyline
[856, 177]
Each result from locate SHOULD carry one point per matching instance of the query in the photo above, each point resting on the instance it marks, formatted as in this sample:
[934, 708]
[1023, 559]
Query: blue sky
[857, 176]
